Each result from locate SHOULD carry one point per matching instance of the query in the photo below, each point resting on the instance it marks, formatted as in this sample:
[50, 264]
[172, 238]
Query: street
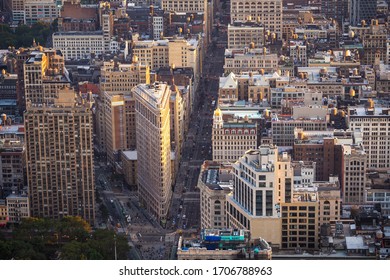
[185, 210]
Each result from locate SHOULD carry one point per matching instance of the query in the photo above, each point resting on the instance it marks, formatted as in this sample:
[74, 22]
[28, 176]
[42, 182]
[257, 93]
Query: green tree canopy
[23, 35]
[70, 238]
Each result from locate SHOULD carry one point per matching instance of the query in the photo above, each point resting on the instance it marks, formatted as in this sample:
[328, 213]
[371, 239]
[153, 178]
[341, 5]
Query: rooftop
[245, 24]
[376, 111]
[229, 82]
[154, 94]
[130, 155]
[239, 124]
[8, 102]
[232, 241]
[217, 176]
[355, 243]
[78, 33]
[303, 194]
[12, 129]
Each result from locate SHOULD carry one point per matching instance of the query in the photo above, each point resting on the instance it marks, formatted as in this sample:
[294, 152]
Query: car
[184, 216]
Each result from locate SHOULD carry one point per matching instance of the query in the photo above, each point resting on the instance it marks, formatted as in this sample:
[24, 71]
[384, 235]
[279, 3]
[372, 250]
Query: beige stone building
[40, 10]
[173, 52]
[215, 182]
[120, 78]
[16, 7]
[231, 138]
[328, 192]
[80, 44]
[89, 44]
[267, 12]
[373, 121]
[322, 79]
[256, 87]
[253, 86]
[228, 89]
[186, 53]
[58, 136]
[330, 201]
[44, 75]
[154, 54]
[154, 147]
[262, 182]
[184, 6]
[354, 174]
[299, 220]
[245, 35]
[250, 60]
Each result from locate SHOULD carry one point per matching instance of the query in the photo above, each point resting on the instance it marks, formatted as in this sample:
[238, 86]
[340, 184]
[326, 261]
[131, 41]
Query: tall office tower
[335, 9]
[262, 182]
[106, 23]
[154, 147]
[362, 10]
[374, 122]
[44, 75]
[59, 157]
[267, 12]
[112, 125]
[354, 174]
[375, 44]
[59, 150]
